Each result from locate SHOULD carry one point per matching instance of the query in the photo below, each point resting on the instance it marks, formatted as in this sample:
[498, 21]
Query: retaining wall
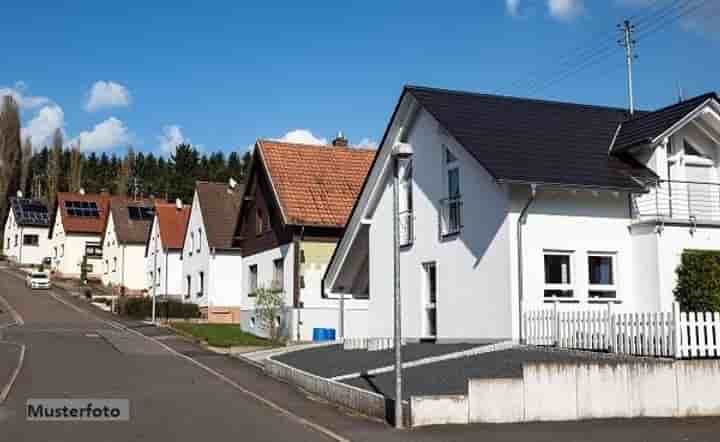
[577, 391]
[365, 402]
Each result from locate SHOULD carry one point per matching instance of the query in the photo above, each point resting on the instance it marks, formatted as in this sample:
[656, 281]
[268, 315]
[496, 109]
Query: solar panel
[140, 213]
[82, 209]
[30, 212]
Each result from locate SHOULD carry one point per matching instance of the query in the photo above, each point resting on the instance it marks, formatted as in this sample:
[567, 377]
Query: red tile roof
[75, 224]
[316, 185]
[173, 223]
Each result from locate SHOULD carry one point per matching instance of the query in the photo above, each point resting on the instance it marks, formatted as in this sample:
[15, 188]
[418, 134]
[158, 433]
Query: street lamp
[402, 153]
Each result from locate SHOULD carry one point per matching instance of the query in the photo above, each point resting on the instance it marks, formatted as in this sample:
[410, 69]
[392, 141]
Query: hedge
[698, 281]
[137, 307]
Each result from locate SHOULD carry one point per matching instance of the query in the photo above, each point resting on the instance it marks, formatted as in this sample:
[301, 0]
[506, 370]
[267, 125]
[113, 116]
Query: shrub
[698, 281]
[136, 307]
[269, 306]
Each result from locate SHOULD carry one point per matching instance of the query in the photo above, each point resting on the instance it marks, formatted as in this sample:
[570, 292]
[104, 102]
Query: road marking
[289, 414]
[6, 390]
[16, 316]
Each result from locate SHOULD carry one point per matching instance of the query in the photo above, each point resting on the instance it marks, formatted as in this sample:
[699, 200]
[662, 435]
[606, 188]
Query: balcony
[679, 201]
[450, 216]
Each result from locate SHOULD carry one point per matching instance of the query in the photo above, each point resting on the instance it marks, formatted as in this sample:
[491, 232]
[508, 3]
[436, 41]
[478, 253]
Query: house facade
[210, 262]
[26, 232]
[507, 205]
[296, 204]
[124, 239]
[76, 231]
[163, 251]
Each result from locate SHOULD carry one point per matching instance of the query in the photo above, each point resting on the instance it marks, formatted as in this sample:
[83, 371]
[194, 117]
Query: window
[601, 276]
[252, 279]
[16, 241]
[188, 286]
[159, 276]
[558, 275]
[259, 222]
[201, 279]
[62, 250]
[31, 240]
[278, 276]
[451, 207]
[107, 267]
[199, 244]
[55, 252]
[92, 250]
[302, 281]
[430, 301]
[114, 264]
[192, 243]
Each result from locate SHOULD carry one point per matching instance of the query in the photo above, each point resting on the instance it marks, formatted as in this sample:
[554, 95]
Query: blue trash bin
[330, 334]
[318, 334]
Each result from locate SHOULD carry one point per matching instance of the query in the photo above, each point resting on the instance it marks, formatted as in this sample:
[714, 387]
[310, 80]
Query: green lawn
[220, 335]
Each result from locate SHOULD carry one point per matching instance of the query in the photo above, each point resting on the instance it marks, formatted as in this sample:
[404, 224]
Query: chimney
[178, 204]
[340, 140]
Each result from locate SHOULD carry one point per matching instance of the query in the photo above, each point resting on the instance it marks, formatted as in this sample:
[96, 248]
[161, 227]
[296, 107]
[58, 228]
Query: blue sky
[221, 73]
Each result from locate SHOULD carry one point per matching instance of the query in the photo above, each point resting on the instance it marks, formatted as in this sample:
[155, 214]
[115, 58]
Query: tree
[27, 154]
[54, 166]
[10, 153]
[76, 168]
[183, 165]
[698, 281]
[269, 305]
[122, 183]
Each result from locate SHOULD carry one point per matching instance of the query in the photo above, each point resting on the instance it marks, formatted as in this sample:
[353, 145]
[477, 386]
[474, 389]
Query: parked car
[38, 280]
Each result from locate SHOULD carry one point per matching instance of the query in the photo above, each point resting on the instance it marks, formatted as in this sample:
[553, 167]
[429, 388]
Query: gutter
[522, 219]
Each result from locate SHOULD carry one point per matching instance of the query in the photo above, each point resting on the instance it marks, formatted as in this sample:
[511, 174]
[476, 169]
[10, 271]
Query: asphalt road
[187, 393]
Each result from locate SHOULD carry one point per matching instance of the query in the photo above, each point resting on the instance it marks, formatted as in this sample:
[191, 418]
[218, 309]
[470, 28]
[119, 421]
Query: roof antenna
[628, 43]
[681, 94]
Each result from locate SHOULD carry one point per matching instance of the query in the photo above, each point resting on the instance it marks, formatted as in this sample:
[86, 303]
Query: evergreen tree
[54, 169]
[10, 153]
[183, 165]
[76, 168]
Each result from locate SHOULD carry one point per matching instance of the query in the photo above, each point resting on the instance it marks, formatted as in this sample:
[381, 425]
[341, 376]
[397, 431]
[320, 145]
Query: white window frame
[563, 286]
[252, 279]
[427, 306]
[278, 281]
[604, 287]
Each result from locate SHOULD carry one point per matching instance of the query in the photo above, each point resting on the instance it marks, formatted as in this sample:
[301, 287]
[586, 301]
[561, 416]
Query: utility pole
[628, 43]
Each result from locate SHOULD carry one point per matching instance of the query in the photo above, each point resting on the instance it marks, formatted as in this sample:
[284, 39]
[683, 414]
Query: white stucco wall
[473, 275]
[123, 264]
[70, 250]
[170, 263]
[222, 269]
[17, 251]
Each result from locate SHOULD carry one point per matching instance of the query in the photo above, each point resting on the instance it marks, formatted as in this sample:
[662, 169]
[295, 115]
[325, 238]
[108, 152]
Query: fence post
[556, 325]
[676, 330]
[610, 338]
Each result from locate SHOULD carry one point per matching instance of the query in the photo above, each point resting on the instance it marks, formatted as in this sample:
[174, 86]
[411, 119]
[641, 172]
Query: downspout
[166, 272]
[122, 283]
[296, 279]
[522, 219]
[22, 242]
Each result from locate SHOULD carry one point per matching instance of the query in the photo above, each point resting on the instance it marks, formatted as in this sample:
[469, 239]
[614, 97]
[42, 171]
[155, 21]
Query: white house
[297, 200]
[211, 265]
[508, 204]
[26, 232]
[126, 233]
[76, 231]
[163, 251]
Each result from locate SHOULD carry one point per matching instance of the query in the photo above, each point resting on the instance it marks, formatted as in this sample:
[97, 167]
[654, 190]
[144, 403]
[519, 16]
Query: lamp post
[402, 152]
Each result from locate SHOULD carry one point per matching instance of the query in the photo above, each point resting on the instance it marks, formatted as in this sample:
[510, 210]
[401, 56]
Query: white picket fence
[662, 334]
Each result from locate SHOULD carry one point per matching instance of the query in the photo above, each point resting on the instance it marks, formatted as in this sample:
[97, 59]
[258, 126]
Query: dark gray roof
[29, 212]
[220, 207]
[128, 230]
[647, 126]
[524, 140]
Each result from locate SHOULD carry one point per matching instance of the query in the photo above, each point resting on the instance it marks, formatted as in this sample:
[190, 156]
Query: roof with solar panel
[29, 212]
[132, 219]
[83, 213]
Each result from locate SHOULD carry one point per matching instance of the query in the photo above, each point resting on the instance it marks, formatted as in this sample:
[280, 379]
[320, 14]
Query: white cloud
[106, 135]
[41, 128]
[172, 136]
[25, 101]
[367, 143]
[303, 136]
[700, 17]
[513, 7]
[105, 94]
[566, 9]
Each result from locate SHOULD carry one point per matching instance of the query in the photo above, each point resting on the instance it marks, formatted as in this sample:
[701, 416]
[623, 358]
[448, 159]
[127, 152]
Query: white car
[38, 280]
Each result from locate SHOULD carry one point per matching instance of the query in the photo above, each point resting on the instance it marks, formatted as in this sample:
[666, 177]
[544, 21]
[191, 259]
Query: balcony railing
[679, 201]
[450, 216]
[406, 222]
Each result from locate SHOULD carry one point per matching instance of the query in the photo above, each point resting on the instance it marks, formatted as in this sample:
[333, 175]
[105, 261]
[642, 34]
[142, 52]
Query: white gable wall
[169, 262]
[16, 250]
[473, 274]
[123, 264]
[67, 251]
